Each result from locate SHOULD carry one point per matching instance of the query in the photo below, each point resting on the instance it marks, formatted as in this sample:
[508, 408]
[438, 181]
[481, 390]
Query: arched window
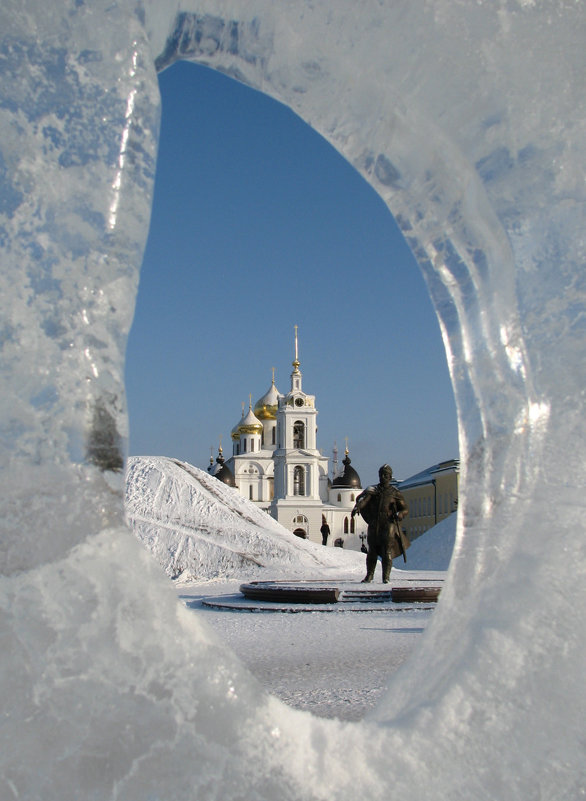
[345, 525]
[250, 494]
[339, 497]
[300, 526]
[352, 526]
[352, 497]
[273, 436]
[299, 434]
[299, 481]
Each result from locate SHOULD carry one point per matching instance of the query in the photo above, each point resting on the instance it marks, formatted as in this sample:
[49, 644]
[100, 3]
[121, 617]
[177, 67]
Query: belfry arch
[476, 155]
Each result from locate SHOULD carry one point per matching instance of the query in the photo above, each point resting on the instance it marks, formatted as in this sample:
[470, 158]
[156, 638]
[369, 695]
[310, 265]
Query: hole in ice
[259, 224]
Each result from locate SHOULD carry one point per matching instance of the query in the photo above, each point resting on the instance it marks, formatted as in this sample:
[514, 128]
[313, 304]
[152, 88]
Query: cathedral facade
[276, 464]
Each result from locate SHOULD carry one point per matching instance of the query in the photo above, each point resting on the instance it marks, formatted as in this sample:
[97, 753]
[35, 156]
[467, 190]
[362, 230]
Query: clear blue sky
[258, 224]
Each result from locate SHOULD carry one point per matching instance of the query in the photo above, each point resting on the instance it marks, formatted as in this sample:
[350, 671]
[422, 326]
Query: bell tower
[300, 469]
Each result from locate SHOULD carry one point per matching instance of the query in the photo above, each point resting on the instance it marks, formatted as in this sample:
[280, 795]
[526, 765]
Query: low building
[432, 495]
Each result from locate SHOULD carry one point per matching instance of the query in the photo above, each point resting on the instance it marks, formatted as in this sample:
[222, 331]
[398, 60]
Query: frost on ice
[468, 119]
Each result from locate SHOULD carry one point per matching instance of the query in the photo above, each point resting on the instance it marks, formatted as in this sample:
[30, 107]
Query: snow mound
[198, 528]
[433, 550]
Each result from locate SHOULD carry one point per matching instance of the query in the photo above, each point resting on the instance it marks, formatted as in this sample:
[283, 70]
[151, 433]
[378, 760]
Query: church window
[299, 481]
[273, 437]
[352, 497]
[251, 444]
[299, 434]
[345, 525]
[300, 523]
[243, 446]
[339, 497]
[250, 493]
[352, 526]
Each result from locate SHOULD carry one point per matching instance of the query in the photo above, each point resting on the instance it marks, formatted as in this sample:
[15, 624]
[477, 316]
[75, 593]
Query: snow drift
[198, 528]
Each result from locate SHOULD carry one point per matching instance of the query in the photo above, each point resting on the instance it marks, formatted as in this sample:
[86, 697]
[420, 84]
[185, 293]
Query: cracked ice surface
[468, 119]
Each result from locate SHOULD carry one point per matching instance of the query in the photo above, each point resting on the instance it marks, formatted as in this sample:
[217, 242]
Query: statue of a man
[383, 507]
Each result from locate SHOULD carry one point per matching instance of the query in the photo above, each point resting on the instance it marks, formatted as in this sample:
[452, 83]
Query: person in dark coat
[383, 507]
[325, 531]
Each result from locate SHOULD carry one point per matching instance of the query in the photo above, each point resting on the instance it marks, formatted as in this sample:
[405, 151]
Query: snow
[468, 120]
[433, 549]
[199, 528]
[210, 539]
[333, 664]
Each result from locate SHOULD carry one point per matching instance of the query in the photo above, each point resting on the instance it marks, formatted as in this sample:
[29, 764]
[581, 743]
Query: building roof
[430, 473]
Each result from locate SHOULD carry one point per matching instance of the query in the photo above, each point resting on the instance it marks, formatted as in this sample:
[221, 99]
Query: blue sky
[258, 225]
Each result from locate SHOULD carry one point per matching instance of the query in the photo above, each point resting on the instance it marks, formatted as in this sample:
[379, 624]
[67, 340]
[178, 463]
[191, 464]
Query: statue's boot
[371, 559]
[387, 565]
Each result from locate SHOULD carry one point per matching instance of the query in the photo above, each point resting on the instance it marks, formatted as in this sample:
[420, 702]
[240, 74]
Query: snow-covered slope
[433, 550]
[199, 528]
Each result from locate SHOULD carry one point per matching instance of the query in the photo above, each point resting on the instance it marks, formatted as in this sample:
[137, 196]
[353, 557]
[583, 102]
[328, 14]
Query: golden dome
[266, 407]
[251, 424]
[235, 433]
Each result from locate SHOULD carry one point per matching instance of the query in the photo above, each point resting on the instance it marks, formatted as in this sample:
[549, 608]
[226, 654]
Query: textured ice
[468, 119]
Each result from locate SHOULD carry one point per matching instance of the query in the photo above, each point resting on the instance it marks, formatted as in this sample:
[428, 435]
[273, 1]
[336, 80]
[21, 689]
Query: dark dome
[226, 476]
[223, 472]
[349, 478]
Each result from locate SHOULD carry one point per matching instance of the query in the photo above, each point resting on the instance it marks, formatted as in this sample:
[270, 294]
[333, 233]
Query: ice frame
[468, 119]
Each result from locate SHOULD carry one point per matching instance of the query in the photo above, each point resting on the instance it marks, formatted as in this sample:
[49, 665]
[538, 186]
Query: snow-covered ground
[210, 540]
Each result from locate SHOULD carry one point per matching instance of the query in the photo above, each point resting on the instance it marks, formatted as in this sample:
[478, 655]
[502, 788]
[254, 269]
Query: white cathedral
[276, 464]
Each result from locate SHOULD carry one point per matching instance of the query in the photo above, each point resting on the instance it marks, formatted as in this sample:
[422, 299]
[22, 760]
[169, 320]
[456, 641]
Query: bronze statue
[383, 507]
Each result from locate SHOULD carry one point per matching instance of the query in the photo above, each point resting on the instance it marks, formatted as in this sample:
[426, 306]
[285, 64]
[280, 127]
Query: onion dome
[235, 433]
[349, 478]
[223, 473]
[226, 476]
[266, 407]
[251, 424]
